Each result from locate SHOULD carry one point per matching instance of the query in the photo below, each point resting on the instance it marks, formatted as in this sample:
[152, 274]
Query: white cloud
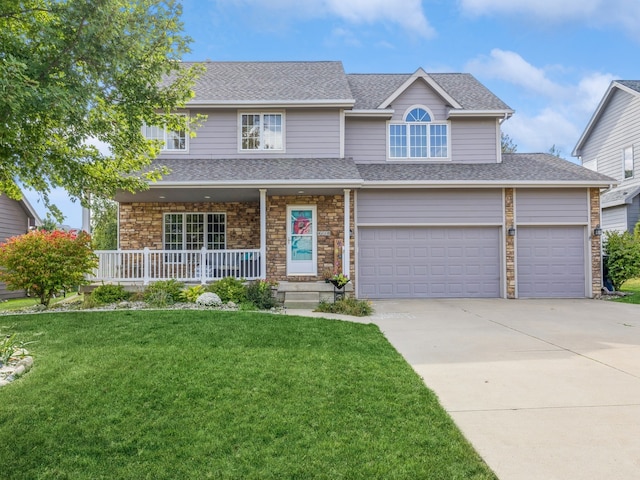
[512, 68]
[595, 13]
[539, 132]
[561, 109]
[408, 14]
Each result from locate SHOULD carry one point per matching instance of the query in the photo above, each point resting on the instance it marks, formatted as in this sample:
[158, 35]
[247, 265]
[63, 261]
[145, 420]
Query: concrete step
[301, 300]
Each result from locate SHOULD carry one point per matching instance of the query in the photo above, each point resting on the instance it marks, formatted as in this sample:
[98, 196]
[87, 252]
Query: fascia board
[484, 184]
[269, 103]
[481, 113]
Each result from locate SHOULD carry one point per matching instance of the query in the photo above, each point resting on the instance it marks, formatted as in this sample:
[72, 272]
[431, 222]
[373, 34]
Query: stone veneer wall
[510, 243]
[330, 210]
[596, 242]
[141, 223]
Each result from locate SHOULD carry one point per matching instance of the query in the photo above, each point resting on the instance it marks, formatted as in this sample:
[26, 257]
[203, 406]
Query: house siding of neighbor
[396, 179]
[16, 217]
[610, 145]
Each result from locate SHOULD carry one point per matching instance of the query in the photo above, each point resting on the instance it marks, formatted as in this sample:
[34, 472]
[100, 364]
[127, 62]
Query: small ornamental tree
[45, 263]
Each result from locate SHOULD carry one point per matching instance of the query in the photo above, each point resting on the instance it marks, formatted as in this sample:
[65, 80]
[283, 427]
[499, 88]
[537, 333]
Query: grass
[225, 395]
[19, 303]
[632, 286]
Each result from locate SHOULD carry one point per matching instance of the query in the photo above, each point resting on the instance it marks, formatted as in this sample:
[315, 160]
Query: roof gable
[630, 86]
[422, 75]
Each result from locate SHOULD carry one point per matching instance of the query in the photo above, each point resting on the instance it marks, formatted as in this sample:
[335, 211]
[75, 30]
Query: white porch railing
[184, 265]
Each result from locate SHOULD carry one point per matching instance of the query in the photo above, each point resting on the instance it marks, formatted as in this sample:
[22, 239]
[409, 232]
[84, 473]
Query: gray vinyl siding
[474, 141]
[614, 219]
[419, 93]
[551, 206]
[13, 221]
[366, 140]
[633, 213]
[617, 128]
[424, 207]
[307, 133]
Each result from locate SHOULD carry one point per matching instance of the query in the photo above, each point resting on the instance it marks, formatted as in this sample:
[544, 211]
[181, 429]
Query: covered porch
[198, 234]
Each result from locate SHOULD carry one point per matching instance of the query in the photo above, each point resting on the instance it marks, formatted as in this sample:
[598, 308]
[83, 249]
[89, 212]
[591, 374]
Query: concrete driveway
[543, 389]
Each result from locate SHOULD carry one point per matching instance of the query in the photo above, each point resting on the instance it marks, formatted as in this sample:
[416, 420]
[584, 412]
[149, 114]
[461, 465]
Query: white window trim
[262, 151]
[164, 130]
[184, 230]
[633, 161]
[421, 159]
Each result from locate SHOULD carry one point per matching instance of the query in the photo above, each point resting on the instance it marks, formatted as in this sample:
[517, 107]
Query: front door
[301, 240]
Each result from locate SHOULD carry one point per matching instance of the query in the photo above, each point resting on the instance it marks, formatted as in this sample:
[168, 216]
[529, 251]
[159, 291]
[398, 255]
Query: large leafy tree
[75, 74]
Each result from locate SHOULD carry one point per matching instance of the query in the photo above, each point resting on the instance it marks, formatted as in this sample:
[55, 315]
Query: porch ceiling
[219, 194]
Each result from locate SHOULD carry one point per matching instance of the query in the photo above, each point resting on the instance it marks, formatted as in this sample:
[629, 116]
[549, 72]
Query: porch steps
[307, 295]
[301, 300]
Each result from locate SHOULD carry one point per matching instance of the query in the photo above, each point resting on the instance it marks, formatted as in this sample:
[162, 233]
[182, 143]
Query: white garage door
[428, 262]
[551, 262]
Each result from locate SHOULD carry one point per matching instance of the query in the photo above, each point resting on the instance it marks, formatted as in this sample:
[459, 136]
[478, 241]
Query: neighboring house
[398, 180]
[609, 145]
[16, 218]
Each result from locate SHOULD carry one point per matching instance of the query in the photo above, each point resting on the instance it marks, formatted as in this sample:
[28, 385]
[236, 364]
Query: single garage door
[551, 262]
[428, 262]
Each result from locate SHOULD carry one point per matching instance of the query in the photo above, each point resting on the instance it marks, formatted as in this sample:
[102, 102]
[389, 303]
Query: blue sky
[549, 60]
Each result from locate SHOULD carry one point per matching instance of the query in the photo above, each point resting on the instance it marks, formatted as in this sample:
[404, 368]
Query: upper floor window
[261, 131]
[418, 136]
[171, 140]
[627, 160]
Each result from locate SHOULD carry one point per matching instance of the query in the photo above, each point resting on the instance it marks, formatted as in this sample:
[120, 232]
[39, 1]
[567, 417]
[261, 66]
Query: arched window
[418, 136]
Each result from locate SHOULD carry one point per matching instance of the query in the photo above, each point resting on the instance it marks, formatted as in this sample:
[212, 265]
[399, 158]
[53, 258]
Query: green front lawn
[20, 303]
[228, 395]
[632, 286]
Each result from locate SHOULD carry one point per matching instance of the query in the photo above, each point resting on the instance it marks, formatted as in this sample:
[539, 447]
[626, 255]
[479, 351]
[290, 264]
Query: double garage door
[428, 262]
[449, 262]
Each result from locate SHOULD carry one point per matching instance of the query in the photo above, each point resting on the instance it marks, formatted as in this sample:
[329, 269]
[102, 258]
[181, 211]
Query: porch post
[346, 261]
[263, 233]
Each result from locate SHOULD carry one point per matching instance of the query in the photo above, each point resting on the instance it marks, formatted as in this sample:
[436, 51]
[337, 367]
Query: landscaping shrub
[260, 295]
[163, 293]
[45, 263]
[347, 306]
[208, 299]
[622, 253]
[105, 294]
[229, 289]
[191, 294]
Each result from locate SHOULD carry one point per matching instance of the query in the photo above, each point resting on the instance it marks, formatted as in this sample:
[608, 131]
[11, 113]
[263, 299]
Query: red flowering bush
[45, 263]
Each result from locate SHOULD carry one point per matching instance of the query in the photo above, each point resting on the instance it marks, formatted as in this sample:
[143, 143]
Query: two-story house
[609, 145]
[397, 180]
[17, 217]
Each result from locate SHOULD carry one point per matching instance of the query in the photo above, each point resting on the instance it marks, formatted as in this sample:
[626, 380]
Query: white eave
[420, 73]
[385, 113]
[483, 183]
[481, 113]
[339, 103]
[342, 183]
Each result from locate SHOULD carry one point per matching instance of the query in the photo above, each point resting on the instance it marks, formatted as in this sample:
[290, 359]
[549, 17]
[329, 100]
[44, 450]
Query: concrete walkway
[543, 389]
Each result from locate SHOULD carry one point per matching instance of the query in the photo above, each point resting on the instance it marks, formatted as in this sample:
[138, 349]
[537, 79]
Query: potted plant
[339, 280]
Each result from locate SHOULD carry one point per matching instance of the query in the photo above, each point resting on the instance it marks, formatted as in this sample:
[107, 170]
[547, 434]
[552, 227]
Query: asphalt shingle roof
[526, 167]
[632, 84]
[619, 195]
[259, 169]
[370, 90]
[275, 81]
[537, 167]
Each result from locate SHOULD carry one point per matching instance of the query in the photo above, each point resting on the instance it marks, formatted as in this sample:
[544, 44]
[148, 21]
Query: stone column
[510, 243]
[596, 242]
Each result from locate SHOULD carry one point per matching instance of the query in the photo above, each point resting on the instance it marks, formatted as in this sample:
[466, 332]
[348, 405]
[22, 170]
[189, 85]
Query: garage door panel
[551, 262]
[429, 262]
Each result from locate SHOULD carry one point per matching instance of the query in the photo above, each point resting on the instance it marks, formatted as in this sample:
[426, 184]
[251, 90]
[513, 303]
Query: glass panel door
[301, 240]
